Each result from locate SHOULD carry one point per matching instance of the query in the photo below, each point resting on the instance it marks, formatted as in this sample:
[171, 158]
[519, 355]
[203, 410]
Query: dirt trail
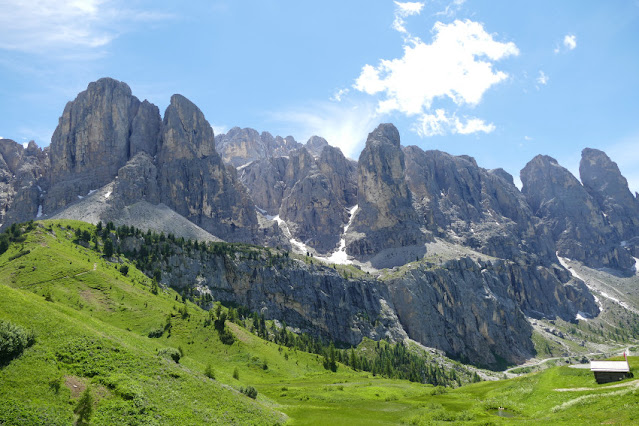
[620, 385]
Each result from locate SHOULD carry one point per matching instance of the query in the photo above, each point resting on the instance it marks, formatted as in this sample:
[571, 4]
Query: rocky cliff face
[96, 136]
[475, 310]
[473, 206]
[21, 180]
[385, 218]
[472, 310]
[314, 213]
[577, 225]
[193, 180]
[341, 172]
[310, 194]
[603, 181]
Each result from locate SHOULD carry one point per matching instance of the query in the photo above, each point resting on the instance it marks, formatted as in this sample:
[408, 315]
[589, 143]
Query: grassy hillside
[92, 325]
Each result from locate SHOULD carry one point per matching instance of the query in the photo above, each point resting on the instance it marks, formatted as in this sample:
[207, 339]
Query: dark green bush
[124, 270]
[249, 391]
[209, 372]
[13, 340]
[172, 353]
[156, 332]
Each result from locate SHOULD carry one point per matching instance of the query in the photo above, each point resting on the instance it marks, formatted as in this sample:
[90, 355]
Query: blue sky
[501, 81]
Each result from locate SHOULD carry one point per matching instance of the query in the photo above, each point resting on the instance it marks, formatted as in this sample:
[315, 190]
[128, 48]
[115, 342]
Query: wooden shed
[610, 371]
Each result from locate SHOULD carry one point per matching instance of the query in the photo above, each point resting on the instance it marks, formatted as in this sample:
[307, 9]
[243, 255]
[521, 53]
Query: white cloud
[344, 125]
[528, 138]
[41, 25]
[451, 8]
[570, 41]
[337, 96]
[404, 10]
[457, 65]
[542, 78]
[440, 123]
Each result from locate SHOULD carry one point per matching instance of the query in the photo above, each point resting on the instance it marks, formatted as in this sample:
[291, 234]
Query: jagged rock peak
[242, 146]
[503, 174]
[315, 145]
[603, 181]
[384, 133]
[98, 132]
[386, 218]
[574, 218]
[185, 132]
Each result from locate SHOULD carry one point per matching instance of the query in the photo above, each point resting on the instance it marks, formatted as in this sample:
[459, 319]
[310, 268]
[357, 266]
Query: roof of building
[610, 366]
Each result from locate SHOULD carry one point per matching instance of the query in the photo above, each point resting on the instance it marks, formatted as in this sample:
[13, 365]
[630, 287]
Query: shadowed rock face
[314, 213]
[310, 194]
[572, 215]
[264, 180]
[341, 172]
[385, 218]
[603, 181]
[194, 181]
[479, 208]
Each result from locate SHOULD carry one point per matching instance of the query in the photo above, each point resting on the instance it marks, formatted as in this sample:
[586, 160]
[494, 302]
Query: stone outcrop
[193, 180]
[385, 218]
[137, 180]
[576, 224]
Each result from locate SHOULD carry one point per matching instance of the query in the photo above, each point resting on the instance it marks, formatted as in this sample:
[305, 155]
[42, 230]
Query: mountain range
[432, 247]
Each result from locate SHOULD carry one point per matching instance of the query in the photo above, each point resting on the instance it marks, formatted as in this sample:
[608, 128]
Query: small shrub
[439, 390]
[124, 270]
[55, 384]
[172, 353]
[236, 374]
[249, 391]
[156, 332]
[84, 408]
[13, 340]
[208, 372]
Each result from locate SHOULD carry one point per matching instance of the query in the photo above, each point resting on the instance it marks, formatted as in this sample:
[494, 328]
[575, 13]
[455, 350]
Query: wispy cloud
[451, 9]
[337, 96]
[542, 79]
[404, 10]
[570, 41]
[40, 26]
[440, 123]
[344, 125]
[456, 66]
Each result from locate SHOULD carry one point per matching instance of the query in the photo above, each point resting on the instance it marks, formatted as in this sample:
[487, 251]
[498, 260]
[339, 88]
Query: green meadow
[92, 325]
